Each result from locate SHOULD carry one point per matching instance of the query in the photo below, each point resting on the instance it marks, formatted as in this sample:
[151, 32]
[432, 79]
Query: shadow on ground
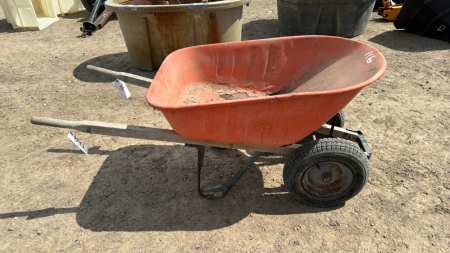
[119, 62]
[408, 42]
[6, 27]
[153, 188]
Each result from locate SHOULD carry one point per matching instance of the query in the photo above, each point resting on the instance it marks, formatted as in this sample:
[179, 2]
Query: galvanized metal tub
[152, 30]
[344, 18]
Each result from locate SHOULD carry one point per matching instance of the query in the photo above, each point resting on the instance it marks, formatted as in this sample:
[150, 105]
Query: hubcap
[327, 179]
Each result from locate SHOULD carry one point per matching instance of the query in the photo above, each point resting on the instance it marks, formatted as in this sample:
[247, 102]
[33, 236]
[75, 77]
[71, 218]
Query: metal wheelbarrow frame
[325, 168]
[325, 134]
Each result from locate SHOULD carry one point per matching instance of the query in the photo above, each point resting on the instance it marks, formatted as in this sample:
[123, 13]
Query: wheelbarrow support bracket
[222, 188]
[362, 143]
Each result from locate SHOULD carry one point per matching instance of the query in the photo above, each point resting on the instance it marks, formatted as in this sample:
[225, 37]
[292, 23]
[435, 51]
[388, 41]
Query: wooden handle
[78, 125]
[148, 133]
[126, 77]
[105, 72]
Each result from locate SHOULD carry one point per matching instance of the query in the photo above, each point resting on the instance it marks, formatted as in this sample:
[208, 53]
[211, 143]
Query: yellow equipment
[390, 10]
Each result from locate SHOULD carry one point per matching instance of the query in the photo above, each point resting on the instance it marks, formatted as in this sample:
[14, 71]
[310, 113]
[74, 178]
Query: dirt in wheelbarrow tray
[216, 92]
[133, 195]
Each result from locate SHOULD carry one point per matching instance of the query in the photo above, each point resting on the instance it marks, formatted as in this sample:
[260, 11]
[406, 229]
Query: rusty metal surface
[135, 35]
[101, 20]
[327, 179]
[151, 34]
[91, 26]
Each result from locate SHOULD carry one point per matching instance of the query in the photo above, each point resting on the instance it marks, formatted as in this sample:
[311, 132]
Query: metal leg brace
[333, 124]
[222, 189]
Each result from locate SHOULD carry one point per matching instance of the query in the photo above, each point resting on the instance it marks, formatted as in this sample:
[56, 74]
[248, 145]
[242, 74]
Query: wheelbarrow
[272, 96]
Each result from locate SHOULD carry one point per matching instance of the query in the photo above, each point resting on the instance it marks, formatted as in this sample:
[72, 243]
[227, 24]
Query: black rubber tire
[89, 4]
[340, 121]
[332, 152]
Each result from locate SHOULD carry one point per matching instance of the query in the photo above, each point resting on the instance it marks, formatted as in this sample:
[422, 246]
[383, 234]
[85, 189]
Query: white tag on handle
[77, 142]
[122, 88]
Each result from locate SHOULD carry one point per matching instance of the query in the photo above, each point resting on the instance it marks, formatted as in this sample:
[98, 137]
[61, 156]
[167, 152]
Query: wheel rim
[327, 179]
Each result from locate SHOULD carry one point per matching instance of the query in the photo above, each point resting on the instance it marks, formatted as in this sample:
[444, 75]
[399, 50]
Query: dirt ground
[134, 195]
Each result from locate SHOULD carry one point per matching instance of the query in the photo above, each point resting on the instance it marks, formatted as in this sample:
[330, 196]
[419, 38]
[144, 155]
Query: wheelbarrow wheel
[340, 120]
[326, 172]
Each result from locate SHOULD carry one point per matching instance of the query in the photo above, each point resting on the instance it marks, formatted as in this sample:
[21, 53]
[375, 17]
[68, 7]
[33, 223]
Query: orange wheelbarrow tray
[271, 92]
[276, 96]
